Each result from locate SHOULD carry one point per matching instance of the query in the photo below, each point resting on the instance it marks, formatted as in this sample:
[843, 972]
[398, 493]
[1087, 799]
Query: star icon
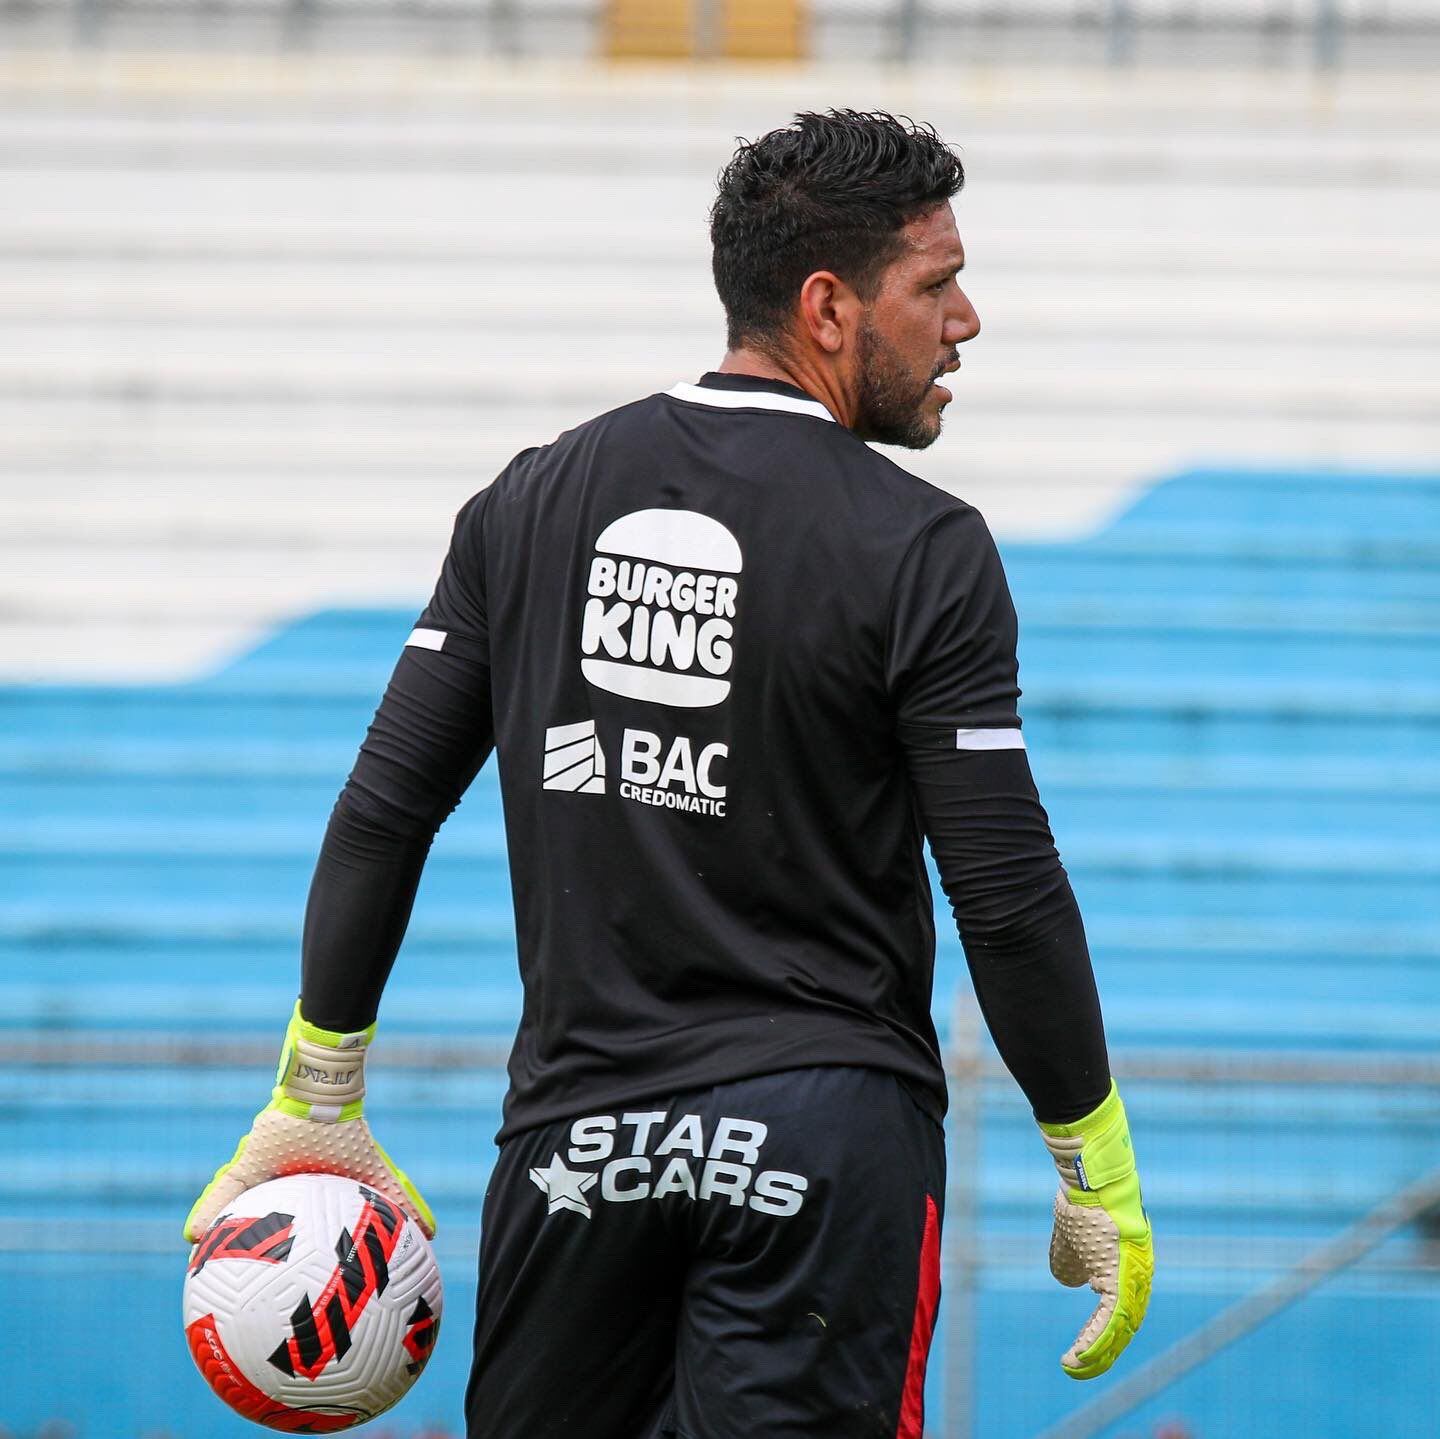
[564, 1188]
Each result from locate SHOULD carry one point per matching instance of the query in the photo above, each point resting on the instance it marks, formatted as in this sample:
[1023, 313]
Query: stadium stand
[1236, 739]
[261, 350]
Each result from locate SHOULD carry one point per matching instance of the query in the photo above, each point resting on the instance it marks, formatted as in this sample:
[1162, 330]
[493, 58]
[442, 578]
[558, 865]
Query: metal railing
[1322, 33]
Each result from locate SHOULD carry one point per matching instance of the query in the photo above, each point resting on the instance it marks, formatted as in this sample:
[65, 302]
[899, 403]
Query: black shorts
[761, 1258]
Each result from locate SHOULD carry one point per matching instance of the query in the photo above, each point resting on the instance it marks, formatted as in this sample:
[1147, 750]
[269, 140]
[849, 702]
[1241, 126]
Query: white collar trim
[748, 400]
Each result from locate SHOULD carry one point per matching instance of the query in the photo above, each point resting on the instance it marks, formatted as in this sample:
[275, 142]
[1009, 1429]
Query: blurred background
[283, 282]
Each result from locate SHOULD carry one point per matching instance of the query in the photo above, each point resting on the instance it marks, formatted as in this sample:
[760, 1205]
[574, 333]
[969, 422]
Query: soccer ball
[312, 1303]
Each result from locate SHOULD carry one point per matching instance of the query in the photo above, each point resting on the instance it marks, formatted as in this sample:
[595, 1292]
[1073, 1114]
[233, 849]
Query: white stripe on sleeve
[989, 739]
[427, 639]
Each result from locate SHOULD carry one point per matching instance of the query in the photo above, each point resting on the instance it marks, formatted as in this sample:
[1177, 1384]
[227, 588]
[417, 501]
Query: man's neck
[815, 382]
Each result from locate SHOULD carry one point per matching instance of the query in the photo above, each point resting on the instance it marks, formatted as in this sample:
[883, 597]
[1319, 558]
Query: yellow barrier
[650, 29]
[762, 29]
[690, 29]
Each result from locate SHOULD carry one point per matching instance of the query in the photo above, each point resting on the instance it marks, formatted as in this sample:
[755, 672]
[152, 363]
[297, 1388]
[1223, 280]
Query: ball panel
[225, 1378]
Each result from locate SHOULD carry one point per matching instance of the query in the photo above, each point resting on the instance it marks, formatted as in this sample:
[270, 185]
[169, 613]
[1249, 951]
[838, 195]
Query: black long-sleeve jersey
[735, 663]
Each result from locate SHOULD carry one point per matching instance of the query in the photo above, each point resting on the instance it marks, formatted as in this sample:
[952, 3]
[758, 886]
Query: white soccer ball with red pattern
[312, 1303]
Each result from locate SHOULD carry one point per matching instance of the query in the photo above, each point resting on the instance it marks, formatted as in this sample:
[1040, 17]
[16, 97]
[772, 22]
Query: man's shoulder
[900, 512]
[610, 423]
[926, 501]
[534, 462]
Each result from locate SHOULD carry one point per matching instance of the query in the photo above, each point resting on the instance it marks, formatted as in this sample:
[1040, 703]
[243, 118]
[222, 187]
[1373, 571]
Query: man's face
[908, 335]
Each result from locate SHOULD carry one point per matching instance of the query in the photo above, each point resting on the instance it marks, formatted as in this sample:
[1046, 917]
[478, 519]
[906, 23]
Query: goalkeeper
[736, 665]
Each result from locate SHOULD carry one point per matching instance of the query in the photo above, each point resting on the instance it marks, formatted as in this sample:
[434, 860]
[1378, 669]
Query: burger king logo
[660, 608]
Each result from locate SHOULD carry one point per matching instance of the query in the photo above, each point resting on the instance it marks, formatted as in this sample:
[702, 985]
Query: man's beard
[891, 407]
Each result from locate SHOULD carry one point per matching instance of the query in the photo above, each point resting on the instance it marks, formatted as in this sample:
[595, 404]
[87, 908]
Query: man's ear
[829, 311]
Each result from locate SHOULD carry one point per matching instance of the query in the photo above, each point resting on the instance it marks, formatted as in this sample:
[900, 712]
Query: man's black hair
[832, 192]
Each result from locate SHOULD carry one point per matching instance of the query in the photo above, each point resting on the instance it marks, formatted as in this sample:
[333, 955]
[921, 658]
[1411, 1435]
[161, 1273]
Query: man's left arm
[953, 671]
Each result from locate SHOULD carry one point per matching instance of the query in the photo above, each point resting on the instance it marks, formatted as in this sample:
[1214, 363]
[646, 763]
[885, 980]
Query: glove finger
[1082, 1354]
[222, 1191]
[223, 1187]
[1118, 1316]
[410, 1198]
[405, 1198]
[1067, 1262]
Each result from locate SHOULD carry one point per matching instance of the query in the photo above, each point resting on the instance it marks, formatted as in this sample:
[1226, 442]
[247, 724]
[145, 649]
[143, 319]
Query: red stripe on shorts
[927, 1300]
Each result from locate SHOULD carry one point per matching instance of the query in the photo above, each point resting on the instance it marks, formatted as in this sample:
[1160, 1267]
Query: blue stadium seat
[1232, 704]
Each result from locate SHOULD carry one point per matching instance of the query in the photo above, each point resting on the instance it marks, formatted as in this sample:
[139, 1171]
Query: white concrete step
[400, 245]
[486, 381]
[118, 308]
[186, 450]
[1301, 147]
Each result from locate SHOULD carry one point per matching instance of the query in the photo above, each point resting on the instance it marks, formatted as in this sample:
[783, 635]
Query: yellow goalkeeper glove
[1102, 1233]
[312, 1125]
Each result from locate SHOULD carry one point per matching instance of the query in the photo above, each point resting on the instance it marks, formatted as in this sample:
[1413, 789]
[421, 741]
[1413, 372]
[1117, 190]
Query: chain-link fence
[1294, 1197]
[1296, 1205]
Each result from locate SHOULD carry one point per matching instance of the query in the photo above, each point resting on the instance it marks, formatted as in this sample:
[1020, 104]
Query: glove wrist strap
[322, 1072]
[1094, 1151]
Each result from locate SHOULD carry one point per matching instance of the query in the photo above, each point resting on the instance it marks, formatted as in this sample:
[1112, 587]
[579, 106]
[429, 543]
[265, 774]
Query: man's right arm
[432, 732]
[428, 740]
